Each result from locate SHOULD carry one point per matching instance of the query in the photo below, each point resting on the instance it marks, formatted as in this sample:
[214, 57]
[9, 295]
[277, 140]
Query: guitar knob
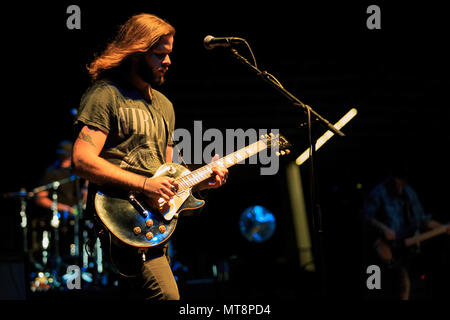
[149, 235]
[162, 228]
[137, 230]
[172, 170]
[149, 223]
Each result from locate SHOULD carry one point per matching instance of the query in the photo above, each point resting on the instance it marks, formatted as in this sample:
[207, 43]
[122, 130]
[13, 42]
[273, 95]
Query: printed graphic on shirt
[139, 121]
[138, 131]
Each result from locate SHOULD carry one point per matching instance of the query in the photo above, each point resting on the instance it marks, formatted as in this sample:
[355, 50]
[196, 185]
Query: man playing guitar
[393, 209]
[125, 128]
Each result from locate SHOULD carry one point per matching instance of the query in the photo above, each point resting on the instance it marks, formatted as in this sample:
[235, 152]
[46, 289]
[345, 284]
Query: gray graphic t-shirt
[138, 130]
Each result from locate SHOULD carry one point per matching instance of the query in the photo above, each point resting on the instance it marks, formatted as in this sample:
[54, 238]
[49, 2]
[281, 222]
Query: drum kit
[53, 243]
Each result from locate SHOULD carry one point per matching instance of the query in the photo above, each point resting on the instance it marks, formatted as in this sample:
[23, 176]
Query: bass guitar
[130, 219]
[386, 250]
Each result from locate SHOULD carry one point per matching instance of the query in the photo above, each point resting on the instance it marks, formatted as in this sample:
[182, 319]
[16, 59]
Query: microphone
[211, 42]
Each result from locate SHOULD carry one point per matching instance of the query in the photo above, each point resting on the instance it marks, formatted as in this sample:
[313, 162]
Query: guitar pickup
[138, 206]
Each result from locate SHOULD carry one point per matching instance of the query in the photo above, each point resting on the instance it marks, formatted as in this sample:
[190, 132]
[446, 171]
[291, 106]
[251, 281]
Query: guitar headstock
[276, 140]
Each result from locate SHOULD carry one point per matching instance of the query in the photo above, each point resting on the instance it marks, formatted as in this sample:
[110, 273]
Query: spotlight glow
[327, 135]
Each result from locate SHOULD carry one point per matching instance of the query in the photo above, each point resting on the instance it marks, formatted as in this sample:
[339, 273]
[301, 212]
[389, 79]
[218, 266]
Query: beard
[148, 74]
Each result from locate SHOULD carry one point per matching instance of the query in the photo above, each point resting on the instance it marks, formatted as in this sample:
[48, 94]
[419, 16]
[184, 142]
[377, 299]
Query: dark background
[322, 53]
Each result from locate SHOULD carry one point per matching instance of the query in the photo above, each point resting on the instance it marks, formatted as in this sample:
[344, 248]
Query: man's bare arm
[88, 164]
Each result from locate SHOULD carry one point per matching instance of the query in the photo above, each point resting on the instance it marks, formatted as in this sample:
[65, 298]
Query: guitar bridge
[137, 205]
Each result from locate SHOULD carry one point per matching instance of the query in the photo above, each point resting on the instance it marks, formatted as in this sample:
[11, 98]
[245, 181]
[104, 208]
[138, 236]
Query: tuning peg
[278, 153]
[288, 151]
[271, 134]
[282, 152]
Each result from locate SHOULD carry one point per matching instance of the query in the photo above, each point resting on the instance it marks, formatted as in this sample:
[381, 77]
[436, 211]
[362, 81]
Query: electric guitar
[132, 221]
[385, 249]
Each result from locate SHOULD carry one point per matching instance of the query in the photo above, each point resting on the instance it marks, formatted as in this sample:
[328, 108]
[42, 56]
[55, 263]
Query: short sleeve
[98, 108]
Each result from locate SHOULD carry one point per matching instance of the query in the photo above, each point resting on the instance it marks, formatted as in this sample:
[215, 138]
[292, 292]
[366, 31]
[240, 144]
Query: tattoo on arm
[87, 138]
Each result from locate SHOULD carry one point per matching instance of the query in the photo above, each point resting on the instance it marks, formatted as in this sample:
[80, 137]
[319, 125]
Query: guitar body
[391, 251]
[383, 250]
[134, 222]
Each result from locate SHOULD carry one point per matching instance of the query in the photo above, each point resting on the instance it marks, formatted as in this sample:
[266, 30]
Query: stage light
[327, 135]
[257, 224]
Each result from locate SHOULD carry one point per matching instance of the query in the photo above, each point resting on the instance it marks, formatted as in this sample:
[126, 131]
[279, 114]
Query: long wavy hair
[137, 35]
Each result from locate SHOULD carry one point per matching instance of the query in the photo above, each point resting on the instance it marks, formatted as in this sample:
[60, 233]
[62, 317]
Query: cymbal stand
[55, 224]
[24, 223]
[78, 229]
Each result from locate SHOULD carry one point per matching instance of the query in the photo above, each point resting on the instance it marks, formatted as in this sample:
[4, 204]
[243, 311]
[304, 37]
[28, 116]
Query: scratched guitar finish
[131, 220]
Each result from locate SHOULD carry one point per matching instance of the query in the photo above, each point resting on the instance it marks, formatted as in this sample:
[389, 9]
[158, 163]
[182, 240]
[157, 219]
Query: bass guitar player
[394, 212]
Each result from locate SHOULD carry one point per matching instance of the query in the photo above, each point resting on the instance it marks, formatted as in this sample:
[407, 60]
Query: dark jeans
[149, 280]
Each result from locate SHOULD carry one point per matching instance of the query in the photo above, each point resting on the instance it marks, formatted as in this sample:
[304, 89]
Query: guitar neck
[195, 177]
[425, 236]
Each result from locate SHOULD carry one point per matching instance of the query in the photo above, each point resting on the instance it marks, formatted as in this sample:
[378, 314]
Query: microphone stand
[277, 85]
[315, 206]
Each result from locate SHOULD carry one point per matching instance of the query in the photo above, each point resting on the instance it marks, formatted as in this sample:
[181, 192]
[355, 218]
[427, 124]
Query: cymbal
[55, 184]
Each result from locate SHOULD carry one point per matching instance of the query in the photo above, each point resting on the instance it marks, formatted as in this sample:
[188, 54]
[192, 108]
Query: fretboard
[195, 177]
[426, 235]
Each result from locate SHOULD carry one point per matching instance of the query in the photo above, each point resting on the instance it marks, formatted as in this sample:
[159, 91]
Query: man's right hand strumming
[156, 188]
[87, 163]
